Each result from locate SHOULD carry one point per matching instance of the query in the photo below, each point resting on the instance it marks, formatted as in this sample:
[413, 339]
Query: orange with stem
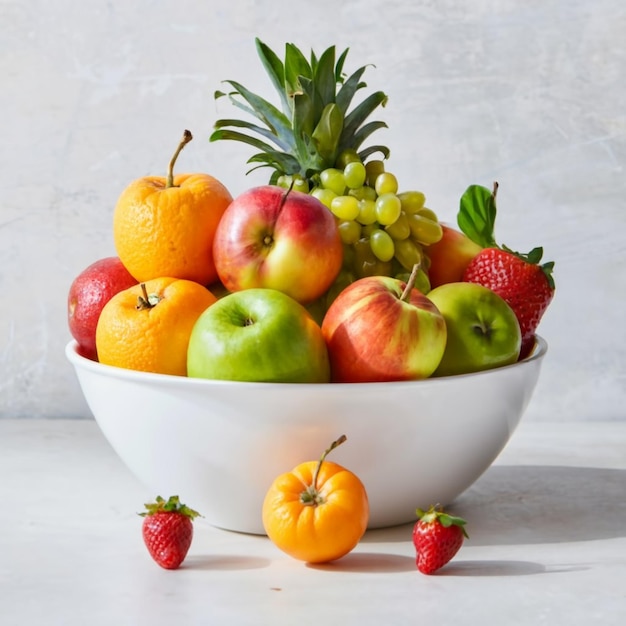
[165, 225]
[318, 512]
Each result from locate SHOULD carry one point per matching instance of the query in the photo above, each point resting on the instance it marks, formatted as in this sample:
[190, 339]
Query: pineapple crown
[314, 123]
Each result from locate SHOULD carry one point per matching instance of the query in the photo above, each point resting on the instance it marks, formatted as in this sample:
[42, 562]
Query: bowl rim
[79, 361]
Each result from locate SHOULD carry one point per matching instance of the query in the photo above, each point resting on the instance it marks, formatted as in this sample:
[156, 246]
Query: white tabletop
[547, 526]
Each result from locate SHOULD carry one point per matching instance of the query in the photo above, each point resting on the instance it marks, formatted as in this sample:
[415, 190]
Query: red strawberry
[519, 279]
[168, 530]
[437, 537]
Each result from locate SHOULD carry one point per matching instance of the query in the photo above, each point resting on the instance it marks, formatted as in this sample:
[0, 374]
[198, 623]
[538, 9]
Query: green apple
[260, 335]
[483, 331]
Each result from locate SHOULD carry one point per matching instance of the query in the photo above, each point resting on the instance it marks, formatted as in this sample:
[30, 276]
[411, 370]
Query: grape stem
[187, 137]
[410, 283]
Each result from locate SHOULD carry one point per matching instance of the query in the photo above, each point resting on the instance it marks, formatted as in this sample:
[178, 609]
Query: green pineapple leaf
[314, 123]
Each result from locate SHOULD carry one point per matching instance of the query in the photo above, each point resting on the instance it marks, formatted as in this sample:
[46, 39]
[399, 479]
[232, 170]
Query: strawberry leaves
[477, 215]
[436, 514]
[171, 505]
[477, 219]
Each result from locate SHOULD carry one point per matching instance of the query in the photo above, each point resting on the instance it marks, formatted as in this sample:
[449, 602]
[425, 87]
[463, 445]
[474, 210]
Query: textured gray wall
[532, 94]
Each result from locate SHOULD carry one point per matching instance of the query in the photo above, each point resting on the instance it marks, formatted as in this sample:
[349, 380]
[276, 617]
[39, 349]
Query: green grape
[325, 196]
[388, 208]
[386, 182]
[400, 228]
[349, 231]
[424, 230]
[300, 183]
[382, 245]
[363, 193]
[368, 229]
[408, 253]
[373, 169]
[412, 201]
[284, 181]
[354, 174]
[349, 155]
[345, 207]
[333, 179]
[295, 182]
[366, 263]
[422, 282]
[426, 212]
[367, 212]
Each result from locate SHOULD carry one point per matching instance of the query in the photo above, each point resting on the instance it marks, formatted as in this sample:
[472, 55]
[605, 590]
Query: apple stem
[284, 198]
[187, 137]
[310, 496]
[410, 283]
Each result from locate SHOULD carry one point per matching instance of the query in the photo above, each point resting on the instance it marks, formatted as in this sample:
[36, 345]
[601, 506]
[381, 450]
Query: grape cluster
[384, 231]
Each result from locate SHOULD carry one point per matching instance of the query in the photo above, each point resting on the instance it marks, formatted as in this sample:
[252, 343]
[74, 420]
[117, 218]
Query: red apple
[450, 256]
[88, 294]
[274, 238]
[382, 329]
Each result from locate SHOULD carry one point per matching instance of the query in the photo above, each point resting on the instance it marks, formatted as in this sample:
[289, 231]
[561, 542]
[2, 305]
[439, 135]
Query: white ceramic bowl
[220, 444]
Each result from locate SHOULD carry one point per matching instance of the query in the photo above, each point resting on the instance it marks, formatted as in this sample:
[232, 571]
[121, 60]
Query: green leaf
[358, 115]
[477, 215]
[307, 109]
[348, 89]
[363, 133]
[324, 76]
[339, 66]
[264, 132]
[296, 65]
[261, 109]
[384, 150]
[286, 163]
[275, 70]
[327, 132]
[236, 136]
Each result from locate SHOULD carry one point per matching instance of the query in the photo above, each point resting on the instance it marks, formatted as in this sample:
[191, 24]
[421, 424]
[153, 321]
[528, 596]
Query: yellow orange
[147, 327]
[165, 225]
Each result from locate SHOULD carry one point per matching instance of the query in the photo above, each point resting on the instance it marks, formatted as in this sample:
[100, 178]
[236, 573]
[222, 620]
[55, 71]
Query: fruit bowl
[220, 444]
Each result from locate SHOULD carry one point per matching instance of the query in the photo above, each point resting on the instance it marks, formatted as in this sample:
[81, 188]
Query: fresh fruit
[384, 234]
[313, 127]
[527, 286]
[482, 329]
[274, 238]
[260, 335]
[147, 327]
[164, 226]
[382, 329]
[437, 537]
[167, 530]
[313, 141]
[89, 292]
[450, 256]
[318, 512]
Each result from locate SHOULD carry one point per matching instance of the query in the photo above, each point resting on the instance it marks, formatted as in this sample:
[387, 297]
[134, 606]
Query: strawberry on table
[167, 530]
[520, 279]
[437, 537]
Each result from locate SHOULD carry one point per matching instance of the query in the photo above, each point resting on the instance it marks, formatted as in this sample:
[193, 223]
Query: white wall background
[532, 94]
